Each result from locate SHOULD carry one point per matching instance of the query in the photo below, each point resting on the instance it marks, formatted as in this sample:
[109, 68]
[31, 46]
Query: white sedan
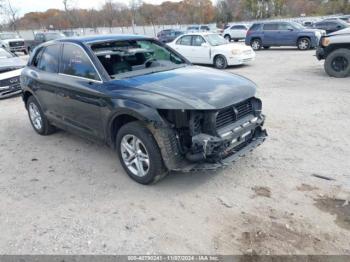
[209, 48]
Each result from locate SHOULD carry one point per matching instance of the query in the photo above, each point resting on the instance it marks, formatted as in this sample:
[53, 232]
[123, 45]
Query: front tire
[337, 63]
[220, 62]
[139, 153]
[228, 38]
[304, 43]
[38, 119]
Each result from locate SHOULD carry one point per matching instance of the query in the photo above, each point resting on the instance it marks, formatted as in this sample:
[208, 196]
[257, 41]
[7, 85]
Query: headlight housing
[325, 41]
[236, 51]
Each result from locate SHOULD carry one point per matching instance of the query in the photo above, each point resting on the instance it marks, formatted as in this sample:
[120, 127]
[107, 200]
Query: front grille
[10, 81]
[16, 43]
[233, 113]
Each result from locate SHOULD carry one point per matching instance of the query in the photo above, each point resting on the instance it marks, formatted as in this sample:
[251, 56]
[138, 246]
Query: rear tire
[236, 40]
[304, 43]
[267, 47]
[220, 62]
[256, 44]
[139, 153]
[337, 63]
[38, 119]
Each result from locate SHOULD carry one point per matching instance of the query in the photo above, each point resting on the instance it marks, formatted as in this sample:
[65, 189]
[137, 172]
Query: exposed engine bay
[213, 136]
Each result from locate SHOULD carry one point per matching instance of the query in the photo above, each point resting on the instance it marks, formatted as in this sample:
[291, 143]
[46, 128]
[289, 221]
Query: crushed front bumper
[211, 152]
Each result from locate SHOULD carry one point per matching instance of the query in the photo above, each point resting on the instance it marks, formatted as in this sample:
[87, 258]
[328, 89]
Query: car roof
[101, 38]
[201, 33]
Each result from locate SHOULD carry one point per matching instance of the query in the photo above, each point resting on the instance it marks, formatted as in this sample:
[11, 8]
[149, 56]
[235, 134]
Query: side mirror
[205, 45]
[290, 29]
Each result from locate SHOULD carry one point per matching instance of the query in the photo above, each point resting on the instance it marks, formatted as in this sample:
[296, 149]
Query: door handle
[34, 74]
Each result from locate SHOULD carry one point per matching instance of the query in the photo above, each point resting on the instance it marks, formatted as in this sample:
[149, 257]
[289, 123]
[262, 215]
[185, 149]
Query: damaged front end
[208, 139]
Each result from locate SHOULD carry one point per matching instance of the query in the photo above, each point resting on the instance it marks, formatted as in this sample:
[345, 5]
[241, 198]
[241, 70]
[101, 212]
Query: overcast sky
[26, 6]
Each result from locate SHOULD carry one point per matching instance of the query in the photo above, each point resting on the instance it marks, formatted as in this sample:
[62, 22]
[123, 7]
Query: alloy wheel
[35, 116]
[256, 45]
[304, 44]
[219, 62]
[135, 155]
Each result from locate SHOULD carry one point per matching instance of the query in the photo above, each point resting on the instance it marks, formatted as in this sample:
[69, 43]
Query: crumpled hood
[189, 87]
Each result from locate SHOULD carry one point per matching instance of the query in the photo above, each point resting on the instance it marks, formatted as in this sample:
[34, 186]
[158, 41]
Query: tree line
[113, 13]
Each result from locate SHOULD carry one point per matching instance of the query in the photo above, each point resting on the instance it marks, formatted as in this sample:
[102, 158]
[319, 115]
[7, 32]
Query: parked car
[168, 35]
[43, 37]
[282, 34]
[308, 24]
[198, 28]
[345, 18]
[235, 32]
[212, 49]
[10, 70]
[331, 26]
[145, 100]
[335, 49]
[70, 33]
[12, 42]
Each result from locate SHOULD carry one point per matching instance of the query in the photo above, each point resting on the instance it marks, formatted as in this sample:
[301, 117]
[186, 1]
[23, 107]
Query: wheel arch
[303, 36]
[333, 47]
[25, 97]
[215, 55]
[122, 116]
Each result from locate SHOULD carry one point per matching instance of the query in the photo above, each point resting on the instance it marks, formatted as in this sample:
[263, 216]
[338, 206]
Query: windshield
[53, 36]
[297, 25]
[5, 54]
[8, 36]
[216, 39]
[130, 58]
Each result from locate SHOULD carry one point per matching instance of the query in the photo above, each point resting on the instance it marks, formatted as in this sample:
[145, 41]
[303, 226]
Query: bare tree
[11, 12]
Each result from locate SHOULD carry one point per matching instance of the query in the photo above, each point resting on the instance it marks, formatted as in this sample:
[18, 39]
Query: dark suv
[335, 50]
[145, 100]
[331, 26]
[282, 34]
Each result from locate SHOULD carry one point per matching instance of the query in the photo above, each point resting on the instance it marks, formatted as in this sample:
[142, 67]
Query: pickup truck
[42, 37]
[335, 50]
[12, 42]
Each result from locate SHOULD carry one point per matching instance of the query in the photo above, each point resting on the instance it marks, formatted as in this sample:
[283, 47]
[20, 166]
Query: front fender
[144, 113]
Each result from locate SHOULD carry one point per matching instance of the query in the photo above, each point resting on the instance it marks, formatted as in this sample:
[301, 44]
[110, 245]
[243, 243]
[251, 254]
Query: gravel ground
[63, 195]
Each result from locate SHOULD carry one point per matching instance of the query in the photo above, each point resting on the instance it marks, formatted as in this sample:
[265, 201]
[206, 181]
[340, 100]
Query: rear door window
[185, 40]
[49, 59]
[75, 62]
[270, 27]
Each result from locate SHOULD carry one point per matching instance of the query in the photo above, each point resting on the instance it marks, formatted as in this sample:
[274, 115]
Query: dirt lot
[62, 194]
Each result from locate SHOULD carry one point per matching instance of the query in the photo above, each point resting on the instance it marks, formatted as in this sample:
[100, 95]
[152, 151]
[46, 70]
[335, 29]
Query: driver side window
[285, 27]
[75, 62]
